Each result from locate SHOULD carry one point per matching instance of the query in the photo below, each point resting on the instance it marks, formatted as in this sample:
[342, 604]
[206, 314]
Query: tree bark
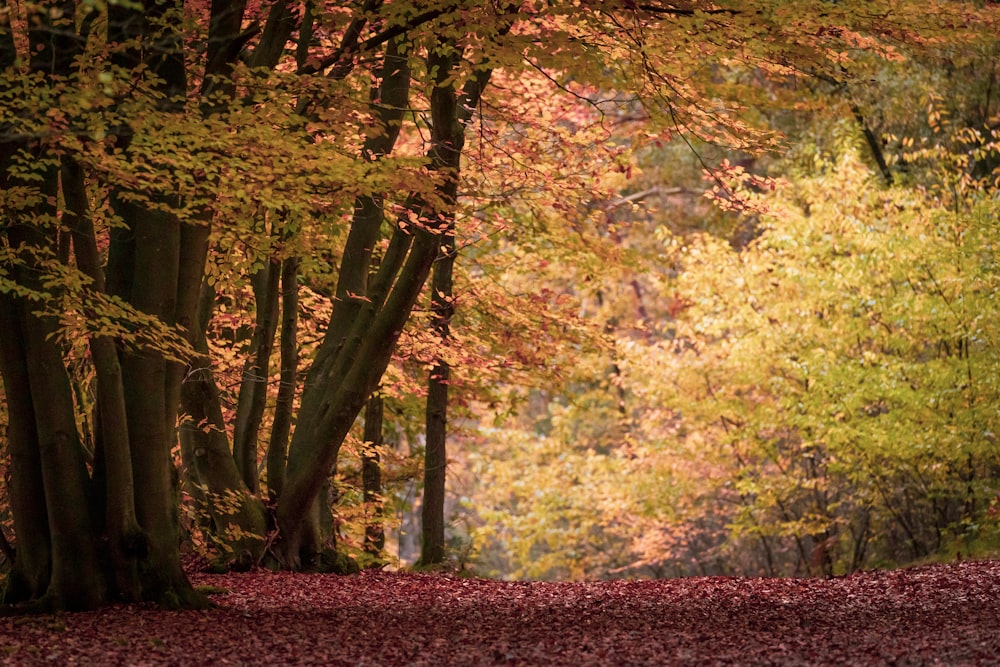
[208, 457]
[156, 263]
[256, 370]
[206, 448]
[357, 369]
[432, 526]
[48, 461]
[371, 478]
[149, 390]
[353, 312]
[448, 134]
[76, 580]
[29, 577]
[365, 326]
[352, 291]
[277, 449]
[125, 539]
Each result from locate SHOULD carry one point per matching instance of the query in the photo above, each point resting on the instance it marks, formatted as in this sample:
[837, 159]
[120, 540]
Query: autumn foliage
[594, 289]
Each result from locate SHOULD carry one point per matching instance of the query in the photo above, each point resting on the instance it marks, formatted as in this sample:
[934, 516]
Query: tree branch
[340, 58]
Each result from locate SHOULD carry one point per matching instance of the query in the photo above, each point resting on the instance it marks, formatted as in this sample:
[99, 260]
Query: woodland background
[711, 288]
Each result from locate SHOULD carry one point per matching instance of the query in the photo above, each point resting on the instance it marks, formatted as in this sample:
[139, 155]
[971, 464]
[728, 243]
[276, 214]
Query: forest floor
[931, 615]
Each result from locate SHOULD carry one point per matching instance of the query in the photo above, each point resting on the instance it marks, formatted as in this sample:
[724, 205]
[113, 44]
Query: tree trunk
[68, 526]
[321, 427]
[353, 374]
[365, 325]
[432, 524]
[448, 133]
[432, 538]
[229, 477]
[277, 449]
[256, 370]
[57, 564]
[371, 478]
[57, 461]
[29, 578]
[77, 580]
[125, 539]
[158, 270]
[209, 459]
[150, 388]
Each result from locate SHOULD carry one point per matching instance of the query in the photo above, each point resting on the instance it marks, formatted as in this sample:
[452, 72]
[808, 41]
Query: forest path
[931, 615]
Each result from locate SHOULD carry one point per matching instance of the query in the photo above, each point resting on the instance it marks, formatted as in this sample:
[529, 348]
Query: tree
[62, 514]
[154, 274]
[110, 144]
[700, 498]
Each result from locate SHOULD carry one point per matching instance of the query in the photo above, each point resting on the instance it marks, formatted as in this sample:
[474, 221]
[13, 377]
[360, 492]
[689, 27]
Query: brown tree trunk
[371, 479]
[76, 579]
[353, 374]
[158, 270]
[354, 313]
[156, 265]
[125, 539]
[256, 370]
[148, 383]
[277, 449]
[58, 566]
[432, 521]
[210, 463]
[208, 458]
[448, 134]
[29, 578]
[366, 324]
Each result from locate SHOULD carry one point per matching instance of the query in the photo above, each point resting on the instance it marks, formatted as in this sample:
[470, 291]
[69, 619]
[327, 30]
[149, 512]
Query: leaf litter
[928, 615]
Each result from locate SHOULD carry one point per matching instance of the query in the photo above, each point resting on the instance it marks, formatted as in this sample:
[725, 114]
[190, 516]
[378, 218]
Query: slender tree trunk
[277, 449]
[256, 370]
[874, 145]
[432, 538]
[352, 291]
[359, 366]
[432, 542]
[449, 116]
[371, 477]
[208, 457]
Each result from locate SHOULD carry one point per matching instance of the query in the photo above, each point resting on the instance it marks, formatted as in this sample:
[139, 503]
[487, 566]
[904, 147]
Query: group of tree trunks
[98, 525]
